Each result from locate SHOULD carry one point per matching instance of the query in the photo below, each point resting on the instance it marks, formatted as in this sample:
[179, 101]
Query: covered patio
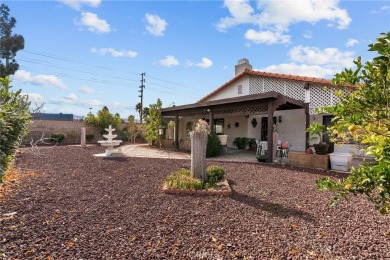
[256, 104]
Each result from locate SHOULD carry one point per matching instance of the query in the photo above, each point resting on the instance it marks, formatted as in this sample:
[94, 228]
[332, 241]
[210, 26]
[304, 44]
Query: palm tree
[138, 108]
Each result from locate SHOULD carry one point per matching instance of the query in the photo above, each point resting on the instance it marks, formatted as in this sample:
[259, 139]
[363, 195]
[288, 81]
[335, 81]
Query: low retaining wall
[308, 160]
[70, 129]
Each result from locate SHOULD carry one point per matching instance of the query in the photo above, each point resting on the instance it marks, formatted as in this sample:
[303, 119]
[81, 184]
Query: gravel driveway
[83, 207]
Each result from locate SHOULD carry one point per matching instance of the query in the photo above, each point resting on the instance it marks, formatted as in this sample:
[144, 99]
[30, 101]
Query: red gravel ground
[83, 207]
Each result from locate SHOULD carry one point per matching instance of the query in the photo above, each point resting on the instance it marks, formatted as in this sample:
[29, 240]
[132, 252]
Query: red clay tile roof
[269, 75]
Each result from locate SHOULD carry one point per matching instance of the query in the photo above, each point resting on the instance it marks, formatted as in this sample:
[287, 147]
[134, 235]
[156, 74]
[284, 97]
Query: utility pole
[142, 94]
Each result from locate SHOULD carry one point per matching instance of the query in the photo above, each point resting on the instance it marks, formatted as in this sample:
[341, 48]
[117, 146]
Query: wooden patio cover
[256, 104]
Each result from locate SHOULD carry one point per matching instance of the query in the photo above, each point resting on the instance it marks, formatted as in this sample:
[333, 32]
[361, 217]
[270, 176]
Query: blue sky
[82, 54]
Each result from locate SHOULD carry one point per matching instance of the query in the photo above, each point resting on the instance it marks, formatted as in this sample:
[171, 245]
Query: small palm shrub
[215, 174]
[182, 179]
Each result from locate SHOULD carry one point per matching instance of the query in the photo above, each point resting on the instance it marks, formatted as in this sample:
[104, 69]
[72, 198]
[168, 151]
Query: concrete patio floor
[144, 150]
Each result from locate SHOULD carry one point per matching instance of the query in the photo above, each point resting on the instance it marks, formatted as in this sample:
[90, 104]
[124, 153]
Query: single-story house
[251, 103]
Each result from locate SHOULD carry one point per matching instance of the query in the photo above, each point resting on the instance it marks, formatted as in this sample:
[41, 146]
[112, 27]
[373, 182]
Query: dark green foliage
[153, 122]
[103, 120]
[240, 142]
[57, 138]
[89, 137]
[215, 174]
[10, 43]
[213, 145]
[14, 119]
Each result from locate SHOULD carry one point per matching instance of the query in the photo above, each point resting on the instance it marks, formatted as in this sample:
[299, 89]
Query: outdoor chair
[263, 147]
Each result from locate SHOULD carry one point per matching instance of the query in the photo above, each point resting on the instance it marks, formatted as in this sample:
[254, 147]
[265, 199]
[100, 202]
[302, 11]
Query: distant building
[47, 116]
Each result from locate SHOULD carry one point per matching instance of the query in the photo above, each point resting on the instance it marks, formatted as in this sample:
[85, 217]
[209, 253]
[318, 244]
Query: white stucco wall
[232, 90]
[233, 131]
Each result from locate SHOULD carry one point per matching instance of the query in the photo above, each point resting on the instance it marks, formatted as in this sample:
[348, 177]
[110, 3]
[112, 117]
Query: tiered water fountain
[109, 143]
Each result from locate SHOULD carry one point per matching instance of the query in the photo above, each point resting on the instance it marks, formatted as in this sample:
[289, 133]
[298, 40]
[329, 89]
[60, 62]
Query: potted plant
[262, 157]
[252, 144]
[319, 130]
[240, 142]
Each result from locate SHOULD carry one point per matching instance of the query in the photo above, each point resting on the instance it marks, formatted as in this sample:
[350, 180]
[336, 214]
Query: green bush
[215, 174]
[14, 119]
[213, 145]
[182, 179]
[240, 142]
[89, 137]
[57, 138]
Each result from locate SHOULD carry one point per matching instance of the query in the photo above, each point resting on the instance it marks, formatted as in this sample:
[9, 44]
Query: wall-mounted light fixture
[247, 116]
[280, 119]
[254, 122]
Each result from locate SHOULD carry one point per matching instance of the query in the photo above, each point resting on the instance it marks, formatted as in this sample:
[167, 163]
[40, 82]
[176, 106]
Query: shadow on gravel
[274, 208]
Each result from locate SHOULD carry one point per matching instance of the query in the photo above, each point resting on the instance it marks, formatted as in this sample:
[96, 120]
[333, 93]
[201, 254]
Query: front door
[264, 128]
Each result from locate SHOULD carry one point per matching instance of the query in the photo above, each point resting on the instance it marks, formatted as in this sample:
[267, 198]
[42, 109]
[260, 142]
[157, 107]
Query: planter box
[308, 160]
[340, 161]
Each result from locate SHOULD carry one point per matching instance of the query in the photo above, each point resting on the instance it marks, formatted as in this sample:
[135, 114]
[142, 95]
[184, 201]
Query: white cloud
[268, 37]
[308, 34]
[115, 53]
[383, 8]
[351, 42]
[205, 63]
[241, 11]
[76, 4]
[87, 89]
[301, 70]
[316, 56]
[67, 101]
[314, 62]
[169, 61]
[274, 17]
[156, 25]
[71, 96]
[34, 97]
[94, 23]
[39, 80]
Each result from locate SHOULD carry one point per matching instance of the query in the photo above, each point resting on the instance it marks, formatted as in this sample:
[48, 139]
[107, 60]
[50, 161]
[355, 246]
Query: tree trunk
[198, 155]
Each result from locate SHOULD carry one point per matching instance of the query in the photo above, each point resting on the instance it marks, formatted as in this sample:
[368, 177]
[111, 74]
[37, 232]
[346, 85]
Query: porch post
[307, 113]
[211, 121]
[177, 131]
[270, 130]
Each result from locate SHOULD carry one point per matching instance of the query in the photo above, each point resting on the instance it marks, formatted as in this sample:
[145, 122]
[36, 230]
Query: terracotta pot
[309, 151]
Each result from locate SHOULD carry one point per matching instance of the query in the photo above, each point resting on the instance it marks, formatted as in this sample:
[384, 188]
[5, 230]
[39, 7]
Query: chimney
[242, 65]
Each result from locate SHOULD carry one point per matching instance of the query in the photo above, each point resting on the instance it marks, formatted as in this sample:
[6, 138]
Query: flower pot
[340, 161]
[321, 148]
[223, 139]
[309, 151]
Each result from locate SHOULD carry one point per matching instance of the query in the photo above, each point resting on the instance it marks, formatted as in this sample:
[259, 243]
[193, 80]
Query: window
[239, 89]
[218, 126]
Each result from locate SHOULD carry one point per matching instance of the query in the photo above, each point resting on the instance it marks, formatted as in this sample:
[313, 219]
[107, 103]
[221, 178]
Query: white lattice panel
[242, 111]
[289, 88]
[320, 96]
[345, 91]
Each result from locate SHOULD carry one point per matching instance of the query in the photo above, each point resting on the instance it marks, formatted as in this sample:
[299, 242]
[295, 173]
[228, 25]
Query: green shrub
[14, 120]
[89, 137]
[57, 138]
[215, 174]
[240, 142]
[182, 179]
[213, 145]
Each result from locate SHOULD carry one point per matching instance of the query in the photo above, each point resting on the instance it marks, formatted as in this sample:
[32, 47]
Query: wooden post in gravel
[83, 134]
[198, 150]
